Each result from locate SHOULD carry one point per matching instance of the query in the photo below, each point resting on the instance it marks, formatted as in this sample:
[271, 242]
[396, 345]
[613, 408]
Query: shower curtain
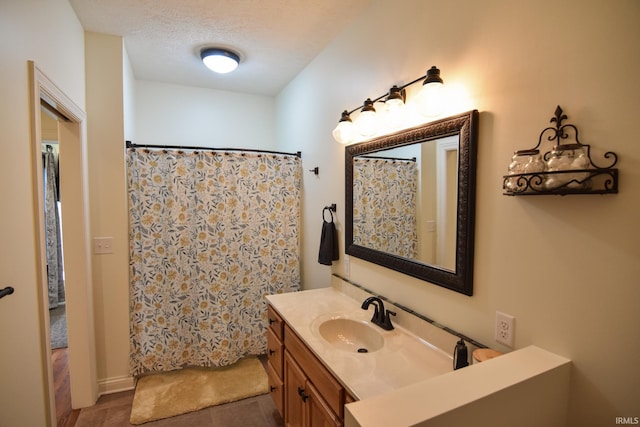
[211, 233]
[384, 208]
[55, 278]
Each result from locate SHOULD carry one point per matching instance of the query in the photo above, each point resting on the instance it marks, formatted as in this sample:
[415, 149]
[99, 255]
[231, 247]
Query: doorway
[54, 251]
[74, 232]
[53, 227]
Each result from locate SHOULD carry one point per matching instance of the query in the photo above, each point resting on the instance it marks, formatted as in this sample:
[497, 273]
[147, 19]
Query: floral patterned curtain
[211, 233]
[384, 208]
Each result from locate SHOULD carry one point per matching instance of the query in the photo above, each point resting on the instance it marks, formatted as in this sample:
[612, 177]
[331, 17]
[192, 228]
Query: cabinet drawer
[274, 352]
[276, 389]
[322, 379]
[348, 398]
[276, 324]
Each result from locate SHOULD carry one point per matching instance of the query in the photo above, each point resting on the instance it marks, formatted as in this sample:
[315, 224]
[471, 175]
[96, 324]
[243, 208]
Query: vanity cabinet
[275, 353]
[303, 390]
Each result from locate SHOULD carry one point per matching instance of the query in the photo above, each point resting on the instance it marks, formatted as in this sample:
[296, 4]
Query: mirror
[410, 201]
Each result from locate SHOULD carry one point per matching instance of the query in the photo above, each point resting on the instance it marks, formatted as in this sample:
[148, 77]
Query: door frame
[443, 193]
[75, 233]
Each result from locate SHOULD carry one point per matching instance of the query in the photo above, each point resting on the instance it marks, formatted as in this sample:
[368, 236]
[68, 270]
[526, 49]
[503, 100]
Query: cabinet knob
[272, 388]
[302, 395]
[271, 352]
[271, 321]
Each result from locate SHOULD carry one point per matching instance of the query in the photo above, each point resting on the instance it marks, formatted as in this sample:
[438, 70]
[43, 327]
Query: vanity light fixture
[366, 122]
[220, 60]
[344, 133]
[394, 105]
[429, 101]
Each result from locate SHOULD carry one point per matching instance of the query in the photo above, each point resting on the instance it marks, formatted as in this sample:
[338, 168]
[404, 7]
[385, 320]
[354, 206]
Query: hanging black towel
[328, 241]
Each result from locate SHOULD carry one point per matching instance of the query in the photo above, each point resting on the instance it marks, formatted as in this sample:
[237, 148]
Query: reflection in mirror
[418, 187]
[411, 201]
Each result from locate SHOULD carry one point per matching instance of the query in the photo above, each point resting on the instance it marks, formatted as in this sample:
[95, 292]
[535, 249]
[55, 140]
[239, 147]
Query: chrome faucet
[380, 316]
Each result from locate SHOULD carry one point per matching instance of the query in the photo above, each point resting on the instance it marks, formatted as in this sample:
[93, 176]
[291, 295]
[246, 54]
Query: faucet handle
[387, 320]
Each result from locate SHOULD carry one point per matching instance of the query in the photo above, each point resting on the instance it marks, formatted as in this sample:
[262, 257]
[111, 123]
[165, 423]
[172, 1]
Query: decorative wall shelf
[565, 169]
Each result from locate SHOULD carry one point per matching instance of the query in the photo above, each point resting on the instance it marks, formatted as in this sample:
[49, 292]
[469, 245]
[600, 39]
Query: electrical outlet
[505, 329]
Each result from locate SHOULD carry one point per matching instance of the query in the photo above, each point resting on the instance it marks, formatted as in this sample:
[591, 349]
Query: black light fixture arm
[402, 89]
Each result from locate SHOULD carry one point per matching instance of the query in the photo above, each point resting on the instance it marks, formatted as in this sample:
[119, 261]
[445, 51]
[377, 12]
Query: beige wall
[108, 205]
[169, 114]
[25, 35]
[566, 267]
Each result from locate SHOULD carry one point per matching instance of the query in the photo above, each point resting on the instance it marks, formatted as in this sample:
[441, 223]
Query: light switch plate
[103, 245]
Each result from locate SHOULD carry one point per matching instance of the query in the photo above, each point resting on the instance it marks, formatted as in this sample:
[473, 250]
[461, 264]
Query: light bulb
[430, 98]
[395, 113]
[394, 108]
[344, 132]
[366, 121]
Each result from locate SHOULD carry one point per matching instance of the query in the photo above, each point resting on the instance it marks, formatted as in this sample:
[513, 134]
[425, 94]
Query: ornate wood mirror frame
[459, 278]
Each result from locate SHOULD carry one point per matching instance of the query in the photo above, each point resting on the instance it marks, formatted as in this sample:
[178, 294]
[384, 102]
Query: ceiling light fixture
[429, 100]
[219, 60]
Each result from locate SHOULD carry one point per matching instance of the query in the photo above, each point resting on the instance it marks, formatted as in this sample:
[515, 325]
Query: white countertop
[409, 382]
[403, 360]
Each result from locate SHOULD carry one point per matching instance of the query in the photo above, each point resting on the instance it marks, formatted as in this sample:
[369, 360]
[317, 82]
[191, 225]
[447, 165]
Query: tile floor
[114, 410]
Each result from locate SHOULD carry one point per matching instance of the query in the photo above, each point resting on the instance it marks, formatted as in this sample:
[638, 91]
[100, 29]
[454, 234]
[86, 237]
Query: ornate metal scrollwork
[575, 172]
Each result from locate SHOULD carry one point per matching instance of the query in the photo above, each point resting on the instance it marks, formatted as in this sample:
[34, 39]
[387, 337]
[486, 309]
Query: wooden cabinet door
[318, 412]
[295, 398]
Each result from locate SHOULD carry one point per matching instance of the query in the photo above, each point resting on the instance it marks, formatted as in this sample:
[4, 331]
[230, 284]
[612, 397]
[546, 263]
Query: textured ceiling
[276, 39]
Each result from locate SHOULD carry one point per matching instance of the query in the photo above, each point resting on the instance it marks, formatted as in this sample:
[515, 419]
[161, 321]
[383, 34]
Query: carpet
[58, 326]
[168, 394]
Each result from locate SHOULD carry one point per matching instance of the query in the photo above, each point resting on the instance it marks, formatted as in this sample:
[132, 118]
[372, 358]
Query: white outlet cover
[505, 329]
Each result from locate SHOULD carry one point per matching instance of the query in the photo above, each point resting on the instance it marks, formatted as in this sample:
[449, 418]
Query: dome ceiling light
[220, 60]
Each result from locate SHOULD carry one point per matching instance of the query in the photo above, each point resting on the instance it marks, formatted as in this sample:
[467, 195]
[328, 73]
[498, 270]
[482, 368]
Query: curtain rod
[412, 159]
[129, 144]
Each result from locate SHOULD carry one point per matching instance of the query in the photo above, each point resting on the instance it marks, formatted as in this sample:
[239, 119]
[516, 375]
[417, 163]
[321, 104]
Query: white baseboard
[115, 385]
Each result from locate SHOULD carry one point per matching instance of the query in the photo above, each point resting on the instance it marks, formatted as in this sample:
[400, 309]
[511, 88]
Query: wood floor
[66, 417]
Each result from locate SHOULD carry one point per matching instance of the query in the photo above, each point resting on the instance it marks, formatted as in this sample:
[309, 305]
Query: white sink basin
[351, 335]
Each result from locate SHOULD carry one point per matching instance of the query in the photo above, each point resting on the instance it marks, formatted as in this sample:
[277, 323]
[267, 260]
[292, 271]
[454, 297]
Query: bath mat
[168, 394]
